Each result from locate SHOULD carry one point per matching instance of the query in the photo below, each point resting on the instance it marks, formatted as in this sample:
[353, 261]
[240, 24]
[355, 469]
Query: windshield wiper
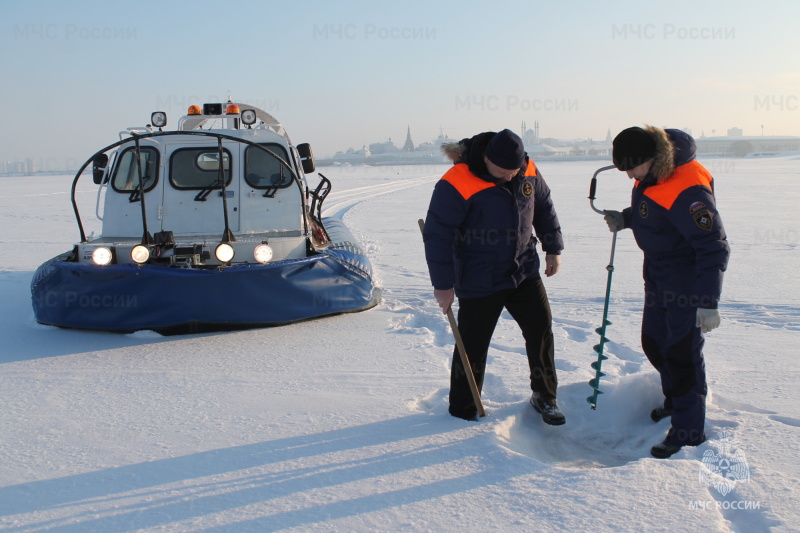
[203, 195]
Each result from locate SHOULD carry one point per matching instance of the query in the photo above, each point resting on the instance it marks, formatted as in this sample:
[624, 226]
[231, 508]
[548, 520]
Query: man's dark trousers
[477, 318]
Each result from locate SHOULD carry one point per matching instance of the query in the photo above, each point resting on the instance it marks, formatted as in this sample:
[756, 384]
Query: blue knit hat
[505, 150]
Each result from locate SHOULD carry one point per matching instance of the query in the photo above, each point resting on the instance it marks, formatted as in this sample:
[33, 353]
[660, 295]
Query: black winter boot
[664, 450]
[549, 410]
[660, 413]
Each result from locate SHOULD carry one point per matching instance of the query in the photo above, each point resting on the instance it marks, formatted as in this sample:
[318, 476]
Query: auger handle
[593, 187]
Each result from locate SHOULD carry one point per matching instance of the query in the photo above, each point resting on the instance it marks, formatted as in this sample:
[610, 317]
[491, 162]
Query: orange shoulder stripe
[531, 170]
[465, 182]
[685, 176]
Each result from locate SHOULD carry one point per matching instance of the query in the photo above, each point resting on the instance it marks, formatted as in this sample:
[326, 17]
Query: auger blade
[596, 366]
[599, 349]
[593, 399]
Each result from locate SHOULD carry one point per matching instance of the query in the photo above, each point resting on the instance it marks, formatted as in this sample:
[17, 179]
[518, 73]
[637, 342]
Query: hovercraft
[210, 227]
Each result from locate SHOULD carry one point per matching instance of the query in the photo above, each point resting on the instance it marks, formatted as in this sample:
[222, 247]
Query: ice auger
[599, 348]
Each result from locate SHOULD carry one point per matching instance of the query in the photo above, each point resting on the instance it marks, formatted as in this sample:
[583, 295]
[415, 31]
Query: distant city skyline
[733, 131]
[707, 145]
[339, 75]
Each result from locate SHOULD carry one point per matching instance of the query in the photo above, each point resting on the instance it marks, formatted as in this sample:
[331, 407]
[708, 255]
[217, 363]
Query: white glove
[707, 319]
[615, 220]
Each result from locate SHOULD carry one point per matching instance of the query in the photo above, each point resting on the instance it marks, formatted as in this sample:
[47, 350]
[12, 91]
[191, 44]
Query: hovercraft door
[193, 203]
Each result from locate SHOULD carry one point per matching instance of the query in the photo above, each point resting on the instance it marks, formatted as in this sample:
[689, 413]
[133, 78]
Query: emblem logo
[527, 189]
[697, 206]
[724, 469]
[703, 219]
[643, 209]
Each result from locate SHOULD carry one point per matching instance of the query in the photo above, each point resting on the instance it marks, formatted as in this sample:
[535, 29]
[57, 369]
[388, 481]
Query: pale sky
[345, 74]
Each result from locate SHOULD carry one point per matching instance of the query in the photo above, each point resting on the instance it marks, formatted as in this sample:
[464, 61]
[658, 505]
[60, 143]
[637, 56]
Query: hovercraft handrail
[202, 133]
[318, 196]
[147, 239]
[196, 122]
[227, 235]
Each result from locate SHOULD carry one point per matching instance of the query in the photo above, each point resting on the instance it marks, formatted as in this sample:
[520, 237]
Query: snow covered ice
[341, 424]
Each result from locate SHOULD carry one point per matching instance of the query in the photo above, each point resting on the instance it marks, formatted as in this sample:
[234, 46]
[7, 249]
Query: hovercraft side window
[263, 171]
[198, 168]
[126, 173]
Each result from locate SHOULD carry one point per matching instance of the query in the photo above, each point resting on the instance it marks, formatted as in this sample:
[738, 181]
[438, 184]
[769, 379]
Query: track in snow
[338, 203]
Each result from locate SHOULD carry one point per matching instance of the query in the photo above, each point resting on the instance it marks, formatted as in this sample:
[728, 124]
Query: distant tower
[608, 136]
[536, 130]
[409, 145]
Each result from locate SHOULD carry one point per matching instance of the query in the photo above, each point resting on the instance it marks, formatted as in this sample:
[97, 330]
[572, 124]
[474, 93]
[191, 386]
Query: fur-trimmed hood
[673, 149]
[453, 151]
[470, 151]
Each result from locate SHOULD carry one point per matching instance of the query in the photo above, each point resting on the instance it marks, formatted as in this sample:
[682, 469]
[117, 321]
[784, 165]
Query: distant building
[387, 147]
[530, 137]
[740, 145]
[387, 153]
[351, 155]
[435, 146]
[409, 145]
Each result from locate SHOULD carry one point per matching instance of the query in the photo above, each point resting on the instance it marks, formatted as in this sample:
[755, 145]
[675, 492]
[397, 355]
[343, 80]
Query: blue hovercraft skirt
[169, 300]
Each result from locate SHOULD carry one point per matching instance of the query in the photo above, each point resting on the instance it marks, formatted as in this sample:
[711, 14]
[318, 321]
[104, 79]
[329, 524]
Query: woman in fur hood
[674, 218]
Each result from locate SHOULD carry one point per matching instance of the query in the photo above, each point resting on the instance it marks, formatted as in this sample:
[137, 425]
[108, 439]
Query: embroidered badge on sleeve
[703, 219]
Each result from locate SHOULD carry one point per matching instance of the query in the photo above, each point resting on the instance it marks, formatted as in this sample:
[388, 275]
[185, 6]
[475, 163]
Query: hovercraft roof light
[197, 117]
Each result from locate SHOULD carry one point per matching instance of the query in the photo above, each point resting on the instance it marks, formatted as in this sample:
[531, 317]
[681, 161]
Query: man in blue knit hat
[480, 246]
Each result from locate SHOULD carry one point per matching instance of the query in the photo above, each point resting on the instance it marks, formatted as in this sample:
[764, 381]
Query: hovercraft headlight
[140, 254]
[263, 253]
[224, 252]
[158, 119]
[102, 256]
[248, 117]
